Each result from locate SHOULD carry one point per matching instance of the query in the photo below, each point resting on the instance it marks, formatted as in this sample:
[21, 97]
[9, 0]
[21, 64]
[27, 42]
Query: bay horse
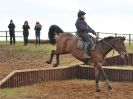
[66, 44]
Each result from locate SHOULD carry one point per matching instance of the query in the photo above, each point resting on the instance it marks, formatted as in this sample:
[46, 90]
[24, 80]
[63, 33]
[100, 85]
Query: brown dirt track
[11, 59]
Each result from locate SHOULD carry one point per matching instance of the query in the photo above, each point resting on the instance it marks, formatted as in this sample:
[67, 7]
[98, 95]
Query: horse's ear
[123, 38]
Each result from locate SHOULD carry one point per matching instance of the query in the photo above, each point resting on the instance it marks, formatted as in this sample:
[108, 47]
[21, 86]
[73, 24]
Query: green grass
[45, 47]
[129, 48]
[30, 48]
[10, 93]
[120, 67]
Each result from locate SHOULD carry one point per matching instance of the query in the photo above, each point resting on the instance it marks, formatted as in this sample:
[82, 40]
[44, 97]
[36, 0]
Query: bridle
[111, 47]
[108, 45]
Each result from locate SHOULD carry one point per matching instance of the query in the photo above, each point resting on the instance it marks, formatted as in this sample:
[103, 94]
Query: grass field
[27, 57]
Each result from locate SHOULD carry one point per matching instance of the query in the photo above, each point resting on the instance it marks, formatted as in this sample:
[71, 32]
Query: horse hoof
[111, 91]
[110, 88]
[48, 62]
[98, 90]
[85, 60]
[55, 65]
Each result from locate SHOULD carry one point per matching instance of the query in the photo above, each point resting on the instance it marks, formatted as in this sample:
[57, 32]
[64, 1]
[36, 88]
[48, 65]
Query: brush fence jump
[19, 78]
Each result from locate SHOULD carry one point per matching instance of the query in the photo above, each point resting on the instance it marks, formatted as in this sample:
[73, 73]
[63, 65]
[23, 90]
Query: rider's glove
[94, 33]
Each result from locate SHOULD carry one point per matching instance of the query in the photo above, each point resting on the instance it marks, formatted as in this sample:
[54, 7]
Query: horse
[66, 43]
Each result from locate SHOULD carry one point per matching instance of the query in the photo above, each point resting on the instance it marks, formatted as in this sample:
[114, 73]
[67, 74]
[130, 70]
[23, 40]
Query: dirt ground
[69, 89]
[15, 59]
[80, 89]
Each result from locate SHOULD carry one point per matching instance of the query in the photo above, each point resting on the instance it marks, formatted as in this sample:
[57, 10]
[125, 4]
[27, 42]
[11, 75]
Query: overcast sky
[102, 15]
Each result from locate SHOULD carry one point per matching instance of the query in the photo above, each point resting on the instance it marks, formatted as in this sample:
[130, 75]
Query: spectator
[11, 27]
[37, 29]
[26, 28]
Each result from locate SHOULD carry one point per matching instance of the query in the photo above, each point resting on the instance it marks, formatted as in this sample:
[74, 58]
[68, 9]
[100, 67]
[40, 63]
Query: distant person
[37, 29]
[26, 28]
[11, 27]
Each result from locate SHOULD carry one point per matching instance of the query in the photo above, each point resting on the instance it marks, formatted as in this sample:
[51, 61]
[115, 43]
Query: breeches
[86, 38]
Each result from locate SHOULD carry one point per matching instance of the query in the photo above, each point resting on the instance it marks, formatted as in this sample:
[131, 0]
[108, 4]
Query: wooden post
[6, 36]
[115, 34]
[129, 39]
[97, 36]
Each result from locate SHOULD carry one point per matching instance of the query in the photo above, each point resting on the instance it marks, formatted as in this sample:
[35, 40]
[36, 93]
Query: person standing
[37, 29]
[26, 28]
[11, 27]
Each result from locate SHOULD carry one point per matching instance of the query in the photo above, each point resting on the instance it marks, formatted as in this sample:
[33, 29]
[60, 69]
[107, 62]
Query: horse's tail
[53, 31]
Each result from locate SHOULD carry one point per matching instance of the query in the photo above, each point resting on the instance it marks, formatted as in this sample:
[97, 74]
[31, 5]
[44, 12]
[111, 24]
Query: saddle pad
[80, 45]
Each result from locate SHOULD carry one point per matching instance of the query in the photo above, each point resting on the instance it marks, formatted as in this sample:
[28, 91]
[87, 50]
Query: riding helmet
[80, 13]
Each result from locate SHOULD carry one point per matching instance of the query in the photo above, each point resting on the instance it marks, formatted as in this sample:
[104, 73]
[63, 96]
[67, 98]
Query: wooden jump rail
[118, 61]
[19, 78]
[27, 77]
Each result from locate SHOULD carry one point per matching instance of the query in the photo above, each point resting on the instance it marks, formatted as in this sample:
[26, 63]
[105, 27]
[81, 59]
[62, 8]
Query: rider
[82, 30]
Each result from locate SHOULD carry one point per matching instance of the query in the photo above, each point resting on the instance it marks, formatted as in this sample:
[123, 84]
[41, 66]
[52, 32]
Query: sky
[111, 16]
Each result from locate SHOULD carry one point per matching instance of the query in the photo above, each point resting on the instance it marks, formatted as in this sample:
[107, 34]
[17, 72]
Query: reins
[109, 45]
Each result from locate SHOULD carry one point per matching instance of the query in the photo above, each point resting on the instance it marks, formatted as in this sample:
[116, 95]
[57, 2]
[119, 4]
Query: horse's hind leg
[57, 60]
[51, 57]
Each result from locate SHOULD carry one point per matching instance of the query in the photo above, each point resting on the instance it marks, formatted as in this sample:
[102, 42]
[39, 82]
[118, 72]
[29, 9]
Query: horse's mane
[111, 37]
[108, 38]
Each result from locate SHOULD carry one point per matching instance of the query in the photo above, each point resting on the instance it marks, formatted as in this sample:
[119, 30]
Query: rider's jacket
[83, 27]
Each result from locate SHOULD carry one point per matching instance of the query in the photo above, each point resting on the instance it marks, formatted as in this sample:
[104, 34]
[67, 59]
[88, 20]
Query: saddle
[81, 43]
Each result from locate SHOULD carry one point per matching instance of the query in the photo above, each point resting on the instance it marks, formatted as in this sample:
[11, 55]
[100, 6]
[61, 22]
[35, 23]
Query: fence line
[129, 39]
[6, 34]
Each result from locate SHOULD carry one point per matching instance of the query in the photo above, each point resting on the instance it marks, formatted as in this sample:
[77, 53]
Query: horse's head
[120, 46]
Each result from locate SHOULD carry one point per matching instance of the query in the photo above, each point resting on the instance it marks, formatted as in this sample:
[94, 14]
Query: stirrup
[86, 57]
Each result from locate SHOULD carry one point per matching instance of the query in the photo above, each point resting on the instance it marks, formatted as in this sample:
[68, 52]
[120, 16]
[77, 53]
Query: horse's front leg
[51, 57]
[57, 60]
[97, 72]
[106, 79]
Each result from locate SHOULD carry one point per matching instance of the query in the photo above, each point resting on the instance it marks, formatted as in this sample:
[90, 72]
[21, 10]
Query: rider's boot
[86, 51]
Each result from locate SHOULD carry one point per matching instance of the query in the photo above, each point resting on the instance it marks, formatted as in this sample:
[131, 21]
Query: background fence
[4, 35]
[129, 37]
[100, 35]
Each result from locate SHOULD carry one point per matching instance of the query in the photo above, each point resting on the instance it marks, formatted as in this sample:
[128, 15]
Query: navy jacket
[83, 27]
[26, 30]
[11, 27]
